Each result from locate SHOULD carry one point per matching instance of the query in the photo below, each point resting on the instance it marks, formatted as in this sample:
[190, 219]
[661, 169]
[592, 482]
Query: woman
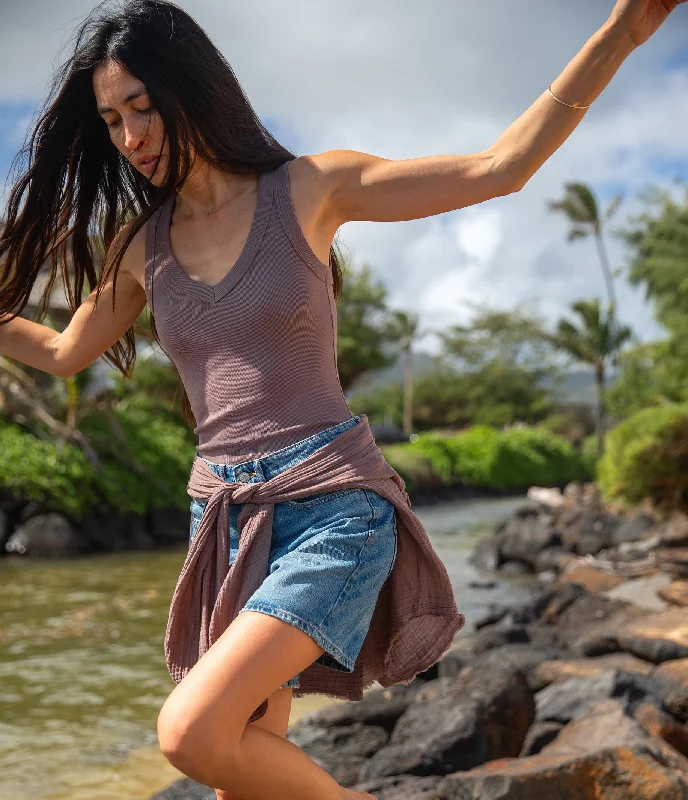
[149, 140]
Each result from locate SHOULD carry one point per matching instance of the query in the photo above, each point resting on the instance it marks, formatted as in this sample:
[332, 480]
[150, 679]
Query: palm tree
[582, 209]
[593, 342]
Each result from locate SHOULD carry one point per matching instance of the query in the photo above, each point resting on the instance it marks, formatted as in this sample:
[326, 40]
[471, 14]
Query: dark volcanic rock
[566, 700]
[634, 529]
[340, 750]
[529, 531]
[657, 637]
[50, 535]
[487, 553]
[458, 723]
[539, 735]
[588, 627]
[604, 754]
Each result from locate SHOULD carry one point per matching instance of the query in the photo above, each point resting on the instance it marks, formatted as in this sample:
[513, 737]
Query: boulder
[656, 637]
[663, 725]
[571, 698]
[539, 735]
[634, 529]
[673, 532]
[673, 670]
[110, 531]
[589, 531]
[457, 724]
[588, 627]
[380, 707]
[548, 672]
[590, 578]
[526, 534]
[487, 554]
[553, 559]
[675, 593]
[340, 750]
[604, 754]
[46, 535]
[642, 592]
[523, 657]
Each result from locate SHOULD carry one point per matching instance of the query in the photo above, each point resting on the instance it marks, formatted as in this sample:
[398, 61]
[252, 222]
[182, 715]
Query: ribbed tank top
[257, 352]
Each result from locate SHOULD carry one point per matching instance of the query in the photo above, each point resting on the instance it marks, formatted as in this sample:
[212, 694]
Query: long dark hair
[79, 202]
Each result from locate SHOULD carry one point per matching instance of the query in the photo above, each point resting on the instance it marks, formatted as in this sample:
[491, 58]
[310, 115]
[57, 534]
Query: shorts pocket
[321, 498]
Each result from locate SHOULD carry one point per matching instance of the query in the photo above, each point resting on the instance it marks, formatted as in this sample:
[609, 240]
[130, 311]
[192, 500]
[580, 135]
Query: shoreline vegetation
[55, 502]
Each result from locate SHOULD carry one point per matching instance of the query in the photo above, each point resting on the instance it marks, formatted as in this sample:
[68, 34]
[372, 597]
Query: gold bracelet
[549, 89]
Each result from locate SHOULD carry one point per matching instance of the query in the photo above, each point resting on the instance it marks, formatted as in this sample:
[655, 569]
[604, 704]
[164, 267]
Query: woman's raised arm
[366, 187]
[92, 330]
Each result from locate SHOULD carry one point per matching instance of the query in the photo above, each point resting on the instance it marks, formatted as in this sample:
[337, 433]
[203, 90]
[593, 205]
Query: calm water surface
[82, 666]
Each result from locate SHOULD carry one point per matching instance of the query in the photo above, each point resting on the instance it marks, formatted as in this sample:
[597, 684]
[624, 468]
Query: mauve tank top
[257, 352]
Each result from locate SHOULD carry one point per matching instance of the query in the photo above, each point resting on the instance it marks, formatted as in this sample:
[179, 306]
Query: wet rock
[673, 531]
[113, 532]
[528, 532]
[591, 578]
[47, 535]
[675, 593]
[674, 670]
[663, 725]
[656, 637]
[457, 724]
[169, 525]
[589, 531]
[588, 627]
[483, 584]
[491, 616]
[553, 559]
[634, 529]
[539, 735]
[554, 600]
[487, 554]
[562, 669]
[568, 699]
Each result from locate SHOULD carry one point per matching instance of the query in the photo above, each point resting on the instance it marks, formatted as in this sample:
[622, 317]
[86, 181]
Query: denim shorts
[330, 554]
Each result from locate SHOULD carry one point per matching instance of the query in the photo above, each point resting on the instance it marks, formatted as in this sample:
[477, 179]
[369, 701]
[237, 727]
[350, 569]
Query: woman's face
[135, 127]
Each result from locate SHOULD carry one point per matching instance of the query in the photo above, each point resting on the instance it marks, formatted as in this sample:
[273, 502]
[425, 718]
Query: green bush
[646, 456]
[484, 456]
[145, 460]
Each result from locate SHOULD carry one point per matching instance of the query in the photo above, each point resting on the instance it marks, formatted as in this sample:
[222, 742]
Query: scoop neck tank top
[256, 352]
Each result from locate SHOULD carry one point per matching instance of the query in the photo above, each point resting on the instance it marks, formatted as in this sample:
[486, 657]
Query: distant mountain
[577, 386]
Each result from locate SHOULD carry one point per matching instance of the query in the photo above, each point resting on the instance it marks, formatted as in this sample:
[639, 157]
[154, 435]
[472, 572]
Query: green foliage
[145, 460]
[34, 469]
[368, 333]
[646, 456]
[484, 456]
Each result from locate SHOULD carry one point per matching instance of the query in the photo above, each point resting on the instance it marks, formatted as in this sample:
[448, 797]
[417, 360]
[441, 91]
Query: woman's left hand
[639, 19]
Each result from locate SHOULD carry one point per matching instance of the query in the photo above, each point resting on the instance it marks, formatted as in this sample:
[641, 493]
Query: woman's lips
[149, 166]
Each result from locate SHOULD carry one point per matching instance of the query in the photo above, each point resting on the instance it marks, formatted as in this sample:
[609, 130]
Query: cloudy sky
[404, 79]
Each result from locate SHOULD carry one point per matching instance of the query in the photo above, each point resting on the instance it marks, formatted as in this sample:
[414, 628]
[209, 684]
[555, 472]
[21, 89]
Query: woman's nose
[134, 134]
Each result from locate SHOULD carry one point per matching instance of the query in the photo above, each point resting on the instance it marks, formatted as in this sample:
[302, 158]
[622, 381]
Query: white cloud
[404, 79]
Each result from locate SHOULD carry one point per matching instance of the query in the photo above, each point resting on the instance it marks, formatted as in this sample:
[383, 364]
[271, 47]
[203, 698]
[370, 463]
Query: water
[82, 668]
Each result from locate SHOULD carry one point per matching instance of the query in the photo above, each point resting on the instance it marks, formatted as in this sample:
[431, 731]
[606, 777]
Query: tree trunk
[408, 391]
[599, 378]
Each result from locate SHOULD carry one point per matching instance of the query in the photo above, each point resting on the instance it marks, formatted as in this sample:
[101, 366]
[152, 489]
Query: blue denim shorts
[331, 552]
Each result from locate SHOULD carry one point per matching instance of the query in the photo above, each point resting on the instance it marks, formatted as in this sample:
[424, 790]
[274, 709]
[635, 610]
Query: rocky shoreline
[34, 529]
[579, 694]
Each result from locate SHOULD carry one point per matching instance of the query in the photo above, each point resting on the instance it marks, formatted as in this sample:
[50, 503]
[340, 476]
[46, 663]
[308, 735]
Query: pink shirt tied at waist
[415, 619]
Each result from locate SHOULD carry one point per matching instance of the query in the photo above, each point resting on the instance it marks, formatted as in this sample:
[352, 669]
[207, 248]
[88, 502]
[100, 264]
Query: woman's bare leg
[275, 720]
[203, 728]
